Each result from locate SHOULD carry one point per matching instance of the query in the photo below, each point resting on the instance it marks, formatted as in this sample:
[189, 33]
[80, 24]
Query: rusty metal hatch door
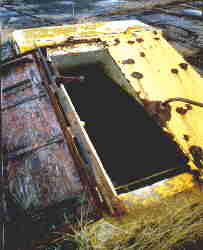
[40, 169]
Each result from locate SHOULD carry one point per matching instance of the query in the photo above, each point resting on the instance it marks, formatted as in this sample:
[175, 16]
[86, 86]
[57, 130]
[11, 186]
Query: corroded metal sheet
[43, 177]
[41, 171]
[32, 123]
[22, 72]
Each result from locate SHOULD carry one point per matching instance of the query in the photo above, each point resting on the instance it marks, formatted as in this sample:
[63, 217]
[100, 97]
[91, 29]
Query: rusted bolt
[183, 66]
[181, 110]
[131, 42]
[155, 32]
[117, 41]
[186, 137]
[137, 75]
[156, 38]
[128, 61]
[142, 54]
[140, 40]
[174, 71]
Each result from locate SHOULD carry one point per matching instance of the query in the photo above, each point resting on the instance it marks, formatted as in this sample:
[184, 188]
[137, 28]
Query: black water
[127, 140]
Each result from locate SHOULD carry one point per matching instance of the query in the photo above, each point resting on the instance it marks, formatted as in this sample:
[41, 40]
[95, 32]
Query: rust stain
[142, 54]
[186, 137]
[197, 154]
[128, 61]
[174, 71]
[131, 42]
[117, 41]
[137, 75]
[140, 40]
[156, 38]
[188, 106]
[183, 110]
[73, 41]
[183, 66]
[162, 114]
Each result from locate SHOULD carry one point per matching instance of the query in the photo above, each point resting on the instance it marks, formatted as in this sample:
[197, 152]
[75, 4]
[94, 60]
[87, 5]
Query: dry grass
[173, 225]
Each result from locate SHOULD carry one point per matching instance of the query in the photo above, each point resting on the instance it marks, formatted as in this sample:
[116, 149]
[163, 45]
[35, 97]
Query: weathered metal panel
[31, 123]
[43, 177]
[23, 71]
[40, 167]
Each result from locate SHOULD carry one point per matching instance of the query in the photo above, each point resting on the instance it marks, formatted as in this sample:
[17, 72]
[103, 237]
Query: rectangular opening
[129, 143]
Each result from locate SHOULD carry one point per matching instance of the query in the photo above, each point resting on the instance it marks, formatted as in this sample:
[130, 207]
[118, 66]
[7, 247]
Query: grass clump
[174, 225]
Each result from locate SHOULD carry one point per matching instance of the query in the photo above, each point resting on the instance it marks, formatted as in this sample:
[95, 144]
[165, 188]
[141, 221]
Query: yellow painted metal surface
[155, 60]
[155, 72]
[30, 38]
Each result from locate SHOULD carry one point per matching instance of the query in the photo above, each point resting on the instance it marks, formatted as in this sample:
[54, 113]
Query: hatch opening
[128, 141]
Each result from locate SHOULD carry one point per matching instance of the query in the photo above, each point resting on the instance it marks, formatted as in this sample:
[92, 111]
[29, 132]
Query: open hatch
[129, 143]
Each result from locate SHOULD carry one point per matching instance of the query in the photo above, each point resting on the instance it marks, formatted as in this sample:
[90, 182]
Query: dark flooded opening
[129, 143]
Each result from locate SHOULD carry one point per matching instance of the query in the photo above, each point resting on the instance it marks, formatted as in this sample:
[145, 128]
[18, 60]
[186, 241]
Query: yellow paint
[154, 58]
[30, 38]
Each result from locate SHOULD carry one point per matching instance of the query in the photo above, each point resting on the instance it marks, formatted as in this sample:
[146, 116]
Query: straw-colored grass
[173, 225]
